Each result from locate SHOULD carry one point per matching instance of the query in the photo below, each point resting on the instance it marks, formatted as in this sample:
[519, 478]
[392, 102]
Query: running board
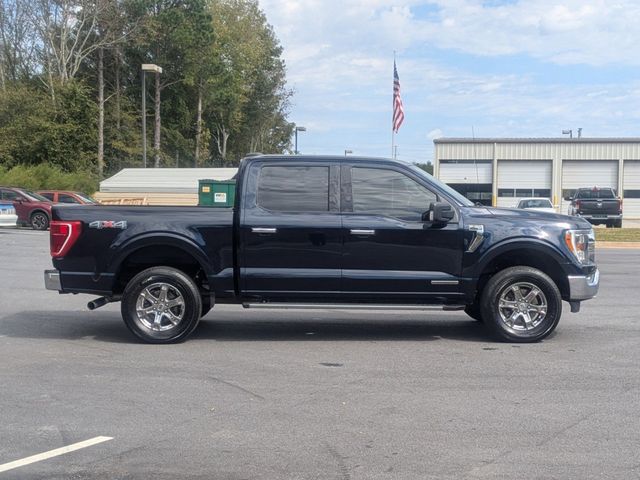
[348, 306]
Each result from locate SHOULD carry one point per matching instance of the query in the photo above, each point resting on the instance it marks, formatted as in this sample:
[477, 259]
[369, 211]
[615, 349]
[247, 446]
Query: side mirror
[20, 199]
[439, 212]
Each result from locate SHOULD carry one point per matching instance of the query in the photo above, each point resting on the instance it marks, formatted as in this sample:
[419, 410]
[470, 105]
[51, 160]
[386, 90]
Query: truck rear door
[290, 231]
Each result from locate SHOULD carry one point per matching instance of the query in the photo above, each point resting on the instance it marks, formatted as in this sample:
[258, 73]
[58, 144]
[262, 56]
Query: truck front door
[390, 253]
[290, 231]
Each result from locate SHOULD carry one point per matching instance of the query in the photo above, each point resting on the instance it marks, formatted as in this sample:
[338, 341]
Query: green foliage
[44, 176]
[35, 130]
[427, 167]
[221, 52]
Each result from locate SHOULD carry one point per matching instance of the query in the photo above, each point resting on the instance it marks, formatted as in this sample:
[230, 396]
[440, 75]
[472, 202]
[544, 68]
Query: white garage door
[523, 178]
[631, 182]
[587, 173]
[466, 171]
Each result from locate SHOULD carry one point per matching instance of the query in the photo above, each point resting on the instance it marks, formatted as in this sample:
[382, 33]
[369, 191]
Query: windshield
[35, 196]
[86, 198]
[458, 197]
[535, 204]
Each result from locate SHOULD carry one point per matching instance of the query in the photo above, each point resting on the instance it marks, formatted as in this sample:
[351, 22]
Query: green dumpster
[216, 193]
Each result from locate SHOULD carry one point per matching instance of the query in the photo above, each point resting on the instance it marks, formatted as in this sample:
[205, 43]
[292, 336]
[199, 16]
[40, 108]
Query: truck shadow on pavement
[108, 327]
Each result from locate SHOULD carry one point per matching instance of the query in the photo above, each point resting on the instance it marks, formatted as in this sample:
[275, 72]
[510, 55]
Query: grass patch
[617, 234]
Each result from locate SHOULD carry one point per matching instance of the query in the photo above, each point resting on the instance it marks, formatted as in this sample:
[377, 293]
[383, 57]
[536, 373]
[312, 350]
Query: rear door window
[293, 188]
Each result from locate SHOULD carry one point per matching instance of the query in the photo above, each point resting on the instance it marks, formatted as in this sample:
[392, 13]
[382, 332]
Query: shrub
[48, 177]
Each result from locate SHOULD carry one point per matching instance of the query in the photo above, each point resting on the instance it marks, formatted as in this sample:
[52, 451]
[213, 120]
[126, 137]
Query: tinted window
[47, 195]
[9, 195]
[64, 198]
[600, 193]
[294, 189]
[385, 192]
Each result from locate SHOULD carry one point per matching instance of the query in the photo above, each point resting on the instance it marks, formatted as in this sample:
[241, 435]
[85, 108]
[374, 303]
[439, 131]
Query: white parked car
[8, 217]
[537, 204]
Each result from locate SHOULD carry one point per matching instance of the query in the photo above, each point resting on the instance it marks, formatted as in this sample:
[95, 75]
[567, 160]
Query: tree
[248, 100]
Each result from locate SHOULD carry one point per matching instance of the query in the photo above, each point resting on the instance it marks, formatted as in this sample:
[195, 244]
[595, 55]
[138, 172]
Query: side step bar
[347, 306]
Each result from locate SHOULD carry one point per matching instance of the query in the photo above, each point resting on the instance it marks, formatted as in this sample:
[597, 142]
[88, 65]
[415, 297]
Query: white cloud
[339, 56]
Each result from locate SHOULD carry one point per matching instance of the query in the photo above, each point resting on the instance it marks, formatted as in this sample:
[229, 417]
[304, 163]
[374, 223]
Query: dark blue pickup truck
[323, 232]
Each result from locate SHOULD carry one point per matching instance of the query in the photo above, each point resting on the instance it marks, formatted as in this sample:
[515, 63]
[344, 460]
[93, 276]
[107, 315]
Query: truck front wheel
[161, 305]
[521, 305]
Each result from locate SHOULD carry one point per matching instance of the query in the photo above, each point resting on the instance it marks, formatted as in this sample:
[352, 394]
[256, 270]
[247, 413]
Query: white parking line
[53, 453]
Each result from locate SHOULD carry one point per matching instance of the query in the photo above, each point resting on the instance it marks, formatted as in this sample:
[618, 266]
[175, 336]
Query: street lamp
[298, 129]
[146, 67]
[347, 152]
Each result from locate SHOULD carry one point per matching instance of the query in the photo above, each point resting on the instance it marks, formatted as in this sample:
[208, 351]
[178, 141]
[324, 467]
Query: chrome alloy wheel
[160, 307]
[522, 306]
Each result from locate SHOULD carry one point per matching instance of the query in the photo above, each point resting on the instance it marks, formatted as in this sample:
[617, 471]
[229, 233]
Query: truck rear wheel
[521, 305]
[161, 305]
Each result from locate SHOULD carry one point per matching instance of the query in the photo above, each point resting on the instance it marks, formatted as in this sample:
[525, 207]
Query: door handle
[263, 230]
[362, 232]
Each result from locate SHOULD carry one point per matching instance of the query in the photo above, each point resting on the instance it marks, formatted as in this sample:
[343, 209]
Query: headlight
[582, 243]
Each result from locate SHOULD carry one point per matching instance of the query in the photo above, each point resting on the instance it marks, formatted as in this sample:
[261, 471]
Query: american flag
[398, 110]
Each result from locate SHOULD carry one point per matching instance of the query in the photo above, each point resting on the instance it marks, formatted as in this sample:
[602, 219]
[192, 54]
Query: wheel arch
[530, 253]
[168, 250]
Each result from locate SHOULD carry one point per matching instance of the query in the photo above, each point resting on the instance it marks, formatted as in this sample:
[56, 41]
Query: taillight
[578, 204]
[62, 236]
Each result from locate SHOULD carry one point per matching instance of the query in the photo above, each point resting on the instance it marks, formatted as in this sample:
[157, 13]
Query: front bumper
[52, 280]
[583, 287]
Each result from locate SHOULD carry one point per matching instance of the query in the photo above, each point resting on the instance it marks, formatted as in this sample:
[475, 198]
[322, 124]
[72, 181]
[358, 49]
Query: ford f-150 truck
[309, 232]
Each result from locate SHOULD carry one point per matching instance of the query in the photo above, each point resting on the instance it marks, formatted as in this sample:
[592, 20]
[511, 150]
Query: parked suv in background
[31, 208]
[597, 205]
[58, 196]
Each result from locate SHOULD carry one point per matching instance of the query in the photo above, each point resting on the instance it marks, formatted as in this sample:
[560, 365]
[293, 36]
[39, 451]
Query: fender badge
[100, 224]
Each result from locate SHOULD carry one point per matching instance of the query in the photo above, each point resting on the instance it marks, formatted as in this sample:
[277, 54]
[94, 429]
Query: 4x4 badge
[100, 224]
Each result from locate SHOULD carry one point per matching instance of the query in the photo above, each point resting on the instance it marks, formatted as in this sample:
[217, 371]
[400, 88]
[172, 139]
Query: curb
[629, 245]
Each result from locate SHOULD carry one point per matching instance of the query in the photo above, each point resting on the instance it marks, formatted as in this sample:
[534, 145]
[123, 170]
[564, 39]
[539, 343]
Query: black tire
[473, 311]
[176, 322]
[39, 221]
[617, 224]
[504, 285]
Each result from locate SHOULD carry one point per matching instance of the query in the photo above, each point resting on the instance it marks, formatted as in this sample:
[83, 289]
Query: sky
[494, 68]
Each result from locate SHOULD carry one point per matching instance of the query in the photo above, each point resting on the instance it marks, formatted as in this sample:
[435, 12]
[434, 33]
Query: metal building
[500, 171]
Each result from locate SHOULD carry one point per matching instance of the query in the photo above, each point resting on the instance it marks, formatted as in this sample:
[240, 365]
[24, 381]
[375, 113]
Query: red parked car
[59, 196]
[31, 208]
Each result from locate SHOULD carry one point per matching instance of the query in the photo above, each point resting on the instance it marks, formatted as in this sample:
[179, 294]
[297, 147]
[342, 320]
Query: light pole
[146, 67]
[298, 129]
[347, 152]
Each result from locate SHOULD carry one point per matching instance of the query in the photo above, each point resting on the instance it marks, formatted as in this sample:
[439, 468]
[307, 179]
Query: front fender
[532, 246]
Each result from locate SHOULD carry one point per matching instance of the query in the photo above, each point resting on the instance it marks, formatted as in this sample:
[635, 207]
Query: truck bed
[116, 232]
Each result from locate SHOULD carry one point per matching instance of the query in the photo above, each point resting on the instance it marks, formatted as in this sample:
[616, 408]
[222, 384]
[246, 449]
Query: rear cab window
[284, 188]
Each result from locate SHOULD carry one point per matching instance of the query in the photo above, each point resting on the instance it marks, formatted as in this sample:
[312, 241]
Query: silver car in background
[537, 204]
[8, 217]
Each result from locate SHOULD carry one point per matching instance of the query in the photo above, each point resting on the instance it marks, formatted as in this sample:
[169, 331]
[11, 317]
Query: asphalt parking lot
[315, 395]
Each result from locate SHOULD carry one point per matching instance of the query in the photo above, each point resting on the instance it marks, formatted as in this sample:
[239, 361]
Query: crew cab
[319, 232]
[597, 205]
